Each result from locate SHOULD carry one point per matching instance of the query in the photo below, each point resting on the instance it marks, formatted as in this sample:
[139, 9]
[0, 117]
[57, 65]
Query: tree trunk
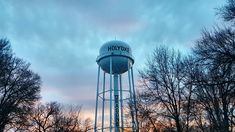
[2, 127]
[225, 113]
[178, 126]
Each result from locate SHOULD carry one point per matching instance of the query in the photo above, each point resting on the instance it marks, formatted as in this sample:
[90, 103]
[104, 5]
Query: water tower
[115, 97]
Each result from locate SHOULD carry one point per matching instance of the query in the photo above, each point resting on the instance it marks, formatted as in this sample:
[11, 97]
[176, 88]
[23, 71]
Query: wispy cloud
[62, 38]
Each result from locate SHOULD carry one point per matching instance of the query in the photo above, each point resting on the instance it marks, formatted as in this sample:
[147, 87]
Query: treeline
[20, 108]
[194, 92]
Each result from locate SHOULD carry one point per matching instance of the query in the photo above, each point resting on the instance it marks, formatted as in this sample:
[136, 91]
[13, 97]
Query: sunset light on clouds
[61, 38]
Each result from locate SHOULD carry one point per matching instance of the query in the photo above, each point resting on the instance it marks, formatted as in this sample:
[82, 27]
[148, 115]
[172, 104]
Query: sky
[61, 38]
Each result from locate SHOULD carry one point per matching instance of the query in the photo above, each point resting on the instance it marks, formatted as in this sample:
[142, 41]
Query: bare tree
[217, 48]
[52, 117]
[43, 117]
[215, 79]
[216, 98]
[164, 80]
[215, 82]
[87, 126]
[146, 114]
[189, 102]
[228, 11]
[69, 120]
[19, 87]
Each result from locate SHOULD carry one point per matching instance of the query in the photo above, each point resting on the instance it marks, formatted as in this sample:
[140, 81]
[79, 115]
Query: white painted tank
[121, 55]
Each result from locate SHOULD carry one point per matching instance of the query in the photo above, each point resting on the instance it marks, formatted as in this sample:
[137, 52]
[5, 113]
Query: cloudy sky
[61, 38]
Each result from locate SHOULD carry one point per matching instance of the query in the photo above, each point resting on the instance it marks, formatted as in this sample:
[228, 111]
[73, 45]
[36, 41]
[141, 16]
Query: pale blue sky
[61, 38]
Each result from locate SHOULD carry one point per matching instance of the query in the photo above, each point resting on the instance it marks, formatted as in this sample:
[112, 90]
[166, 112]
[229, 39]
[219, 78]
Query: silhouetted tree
[52, 117]
[215, 53]
[43, 117]
[217, 49]
[19, 87]
[198, 90]
[147, 114]
[69, 120]
[228, 11]
[215, 78]
[87, 126]
[216, 98]
[189, 103]
[166, 89]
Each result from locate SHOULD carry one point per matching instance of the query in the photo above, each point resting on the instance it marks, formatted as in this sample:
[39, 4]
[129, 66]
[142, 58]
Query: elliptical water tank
[121, 56]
